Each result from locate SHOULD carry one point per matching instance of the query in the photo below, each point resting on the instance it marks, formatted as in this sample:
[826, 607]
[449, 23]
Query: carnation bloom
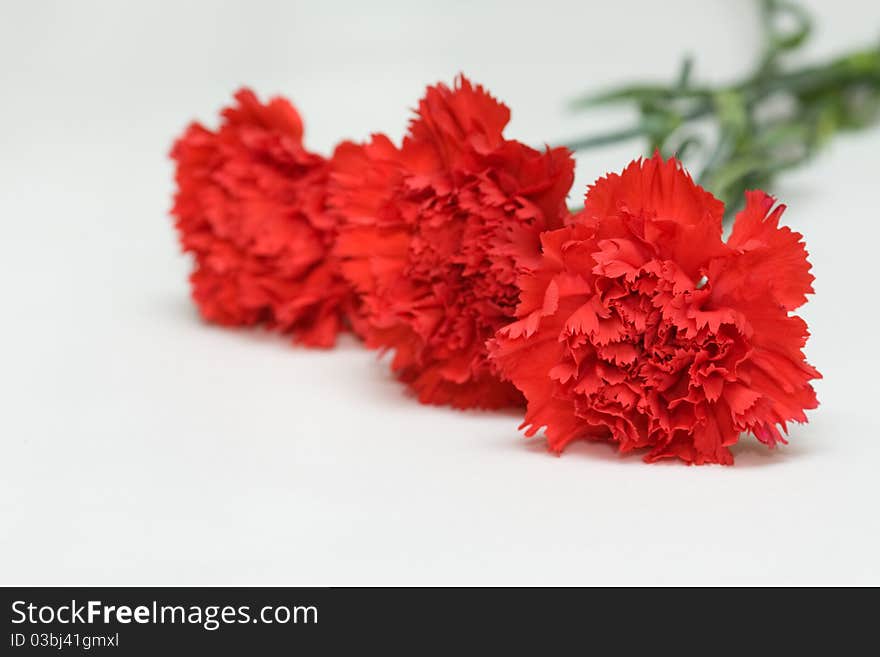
[640, 326]
[251, 207]
[428, 234]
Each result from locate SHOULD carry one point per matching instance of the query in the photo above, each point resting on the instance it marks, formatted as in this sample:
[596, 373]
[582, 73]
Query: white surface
[141, 446]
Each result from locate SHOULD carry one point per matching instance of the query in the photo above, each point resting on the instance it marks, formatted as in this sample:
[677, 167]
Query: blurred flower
[251, 207]
[640, 326]
[428, 234]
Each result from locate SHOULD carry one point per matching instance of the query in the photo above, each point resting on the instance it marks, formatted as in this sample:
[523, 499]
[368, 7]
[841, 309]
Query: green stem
[757, 137]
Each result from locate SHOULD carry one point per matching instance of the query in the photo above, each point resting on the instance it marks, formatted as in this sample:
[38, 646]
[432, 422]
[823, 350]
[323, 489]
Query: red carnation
[640, 326]
[428, 236]
[251, 207]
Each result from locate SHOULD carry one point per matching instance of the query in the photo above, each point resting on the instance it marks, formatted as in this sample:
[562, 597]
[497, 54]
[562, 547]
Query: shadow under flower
[748, 452]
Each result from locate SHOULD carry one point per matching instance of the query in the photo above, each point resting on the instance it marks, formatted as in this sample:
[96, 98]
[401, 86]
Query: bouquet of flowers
[629, 320]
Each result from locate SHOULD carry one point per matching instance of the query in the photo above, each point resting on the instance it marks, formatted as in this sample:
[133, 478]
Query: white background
[140, 446]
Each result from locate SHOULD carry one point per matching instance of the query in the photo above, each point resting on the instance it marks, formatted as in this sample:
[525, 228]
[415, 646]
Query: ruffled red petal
[640, 326]
[251, 207]
[432, 236]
